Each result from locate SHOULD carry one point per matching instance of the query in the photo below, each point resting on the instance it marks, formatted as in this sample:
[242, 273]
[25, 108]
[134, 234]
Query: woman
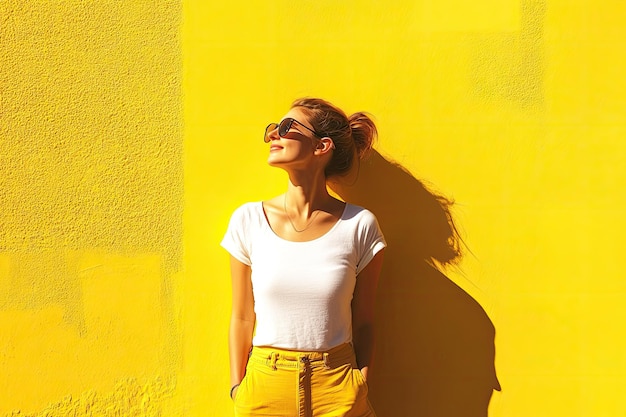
[304, 269]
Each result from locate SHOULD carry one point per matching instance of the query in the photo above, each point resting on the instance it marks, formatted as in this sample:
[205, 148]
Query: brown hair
[353, 136]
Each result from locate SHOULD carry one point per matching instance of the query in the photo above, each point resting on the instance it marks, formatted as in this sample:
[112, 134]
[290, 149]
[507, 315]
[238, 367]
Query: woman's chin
[274, 162]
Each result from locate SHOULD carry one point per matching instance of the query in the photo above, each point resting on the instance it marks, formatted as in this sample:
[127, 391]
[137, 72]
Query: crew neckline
[328, 232]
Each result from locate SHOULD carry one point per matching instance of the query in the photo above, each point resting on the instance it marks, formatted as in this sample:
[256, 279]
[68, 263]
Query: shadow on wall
[435, 344]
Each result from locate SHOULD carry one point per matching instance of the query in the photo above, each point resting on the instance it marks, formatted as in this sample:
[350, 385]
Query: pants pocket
[361, 406]
[243, 392]
[359, 381]
[266, 392]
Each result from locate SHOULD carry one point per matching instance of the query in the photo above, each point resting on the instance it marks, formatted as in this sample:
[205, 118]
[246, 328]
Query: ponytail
[364, 132]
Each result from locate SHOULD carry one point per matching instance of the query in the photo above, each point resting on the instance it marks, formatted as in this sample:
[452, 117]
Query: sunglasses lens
[284, 127]
[268, 130]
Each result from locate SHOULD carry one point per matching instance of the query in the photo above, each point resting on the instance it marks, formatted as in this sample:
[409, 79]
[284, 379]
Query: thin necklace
[291, 222]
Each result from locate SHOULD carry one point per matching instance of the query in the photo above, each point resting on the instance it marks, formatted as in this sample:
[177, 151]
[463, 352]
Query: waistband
[284, 358]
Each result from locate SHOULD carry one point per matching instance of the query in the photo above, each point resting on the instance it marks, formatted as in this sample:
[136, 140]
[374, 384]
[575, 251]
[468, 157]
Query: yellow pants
[303, 384]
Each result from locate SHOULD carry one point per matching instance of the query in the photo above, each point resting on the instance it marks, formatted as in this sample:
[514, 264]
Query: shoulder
[247, 211]
[359, 214]
[362, 221]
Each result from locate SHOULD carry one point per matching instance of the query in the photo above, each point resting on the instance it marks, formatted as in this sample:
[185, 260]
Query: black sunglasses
[285, 126]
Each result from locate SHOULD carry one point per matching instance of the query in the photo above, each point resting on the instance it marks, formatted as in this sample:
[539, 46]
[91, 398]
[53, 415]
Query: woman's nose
[273, 134]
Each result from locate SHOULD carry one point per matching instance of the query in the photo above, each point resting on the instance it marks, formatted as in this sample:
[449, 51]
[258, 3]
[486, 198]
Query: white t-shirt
[303, 290]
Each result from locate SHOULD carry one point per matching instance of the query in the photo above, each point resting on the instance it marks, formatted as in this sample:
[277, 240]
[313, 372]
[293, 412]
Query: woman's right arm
[242, 321]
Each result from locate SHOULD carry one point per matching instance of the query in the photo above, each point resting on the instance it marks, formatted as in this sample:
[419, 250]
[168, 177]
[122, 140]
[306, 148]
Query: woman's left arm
[363, 304]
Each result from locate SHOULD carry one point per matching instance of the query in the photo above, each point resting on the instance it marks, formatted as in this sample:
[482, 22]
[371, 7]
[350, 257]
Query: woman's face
[297, 146]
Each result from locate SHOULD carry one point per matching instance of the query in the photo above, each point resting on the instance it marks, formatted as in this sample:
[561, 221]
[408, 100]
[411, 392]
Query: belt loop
[273, 358]
[326, 361]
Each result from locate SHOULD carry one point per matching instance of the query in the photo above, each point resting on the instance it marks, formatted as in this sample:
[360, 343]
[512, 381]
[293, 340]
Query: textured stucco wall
[91, 200]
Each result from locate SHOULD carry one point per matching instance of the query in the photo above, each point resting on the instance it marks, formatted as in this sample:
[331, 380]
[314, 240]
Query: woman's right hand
[233, 393]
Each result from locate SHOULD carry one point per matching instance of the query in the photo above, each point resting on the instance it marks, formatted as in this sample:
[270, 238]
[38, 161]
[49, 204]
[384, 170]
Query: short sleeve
[371, 239]
[236, 240]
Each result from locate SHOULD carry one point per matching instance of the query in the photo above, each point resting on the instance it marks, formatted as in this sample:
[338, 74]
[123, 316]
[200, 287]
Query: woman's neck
[305, 194]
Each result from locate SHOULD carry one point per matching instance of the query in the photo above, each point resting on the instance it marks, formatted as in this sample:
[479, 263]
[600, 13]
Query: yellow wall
[114, 292]
[515, 109]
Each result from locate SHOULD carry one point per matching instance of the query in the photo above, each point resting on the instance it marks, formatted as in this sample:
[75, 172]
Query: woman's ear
[325, 145]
